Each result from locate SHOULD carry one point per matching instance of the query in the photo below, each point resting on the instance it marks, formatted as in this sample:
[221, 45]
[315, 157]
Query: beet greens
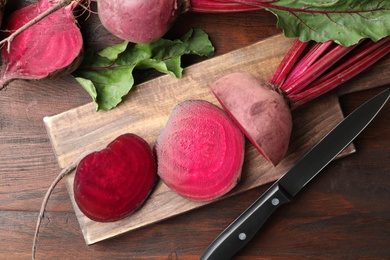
[113, 67]
[345, 22]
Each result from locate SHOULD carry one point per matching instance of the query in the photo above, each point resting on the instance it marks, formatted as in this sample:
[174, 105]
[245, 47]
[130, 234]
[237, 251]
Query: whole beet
[139, 21]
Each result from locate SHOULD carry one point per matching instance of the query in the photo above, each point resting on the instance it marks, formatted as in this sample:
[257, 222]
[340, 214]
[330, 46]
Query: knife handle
[238, 233]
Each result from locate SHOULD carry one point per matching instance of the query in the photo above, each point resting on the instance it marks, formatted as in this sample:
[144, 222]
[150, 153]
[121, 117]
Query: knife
[241, 230]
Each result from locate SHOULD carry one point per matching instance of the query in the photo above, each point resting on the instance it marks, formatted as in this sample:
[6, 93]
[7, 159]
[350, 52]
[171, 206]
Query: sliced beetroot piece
[50, 47]
[114, 182]
[200, 152]
[261, 113]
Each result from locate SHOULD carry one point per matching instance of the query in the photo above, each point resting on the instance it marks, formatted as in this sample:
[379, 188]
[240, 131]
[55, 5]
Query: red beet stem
[220, 6]
[315, 70]
[352, 62]
[315, 53]
[360, 59]
[288, 63]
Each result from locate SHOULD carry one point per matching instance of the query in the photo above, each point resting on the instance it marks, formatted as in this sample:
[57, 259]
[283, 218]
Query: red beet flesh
[200, 152]
[49, 47]
[114, 182]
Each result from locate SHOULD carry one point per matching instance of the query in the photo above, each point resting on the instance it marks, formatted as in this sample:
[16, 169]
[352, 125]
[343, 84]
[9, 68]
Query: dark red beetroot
[114, 182]
[52, 46]
[200, 152]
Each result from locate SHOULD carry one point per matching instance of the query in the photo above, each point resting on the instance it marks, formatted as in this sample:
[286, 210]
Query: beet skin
[139, 21]
[261, 113]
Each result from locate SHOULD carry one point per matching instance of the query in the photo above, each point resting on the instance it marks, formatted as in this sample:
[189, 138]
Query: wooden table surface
[343, 214]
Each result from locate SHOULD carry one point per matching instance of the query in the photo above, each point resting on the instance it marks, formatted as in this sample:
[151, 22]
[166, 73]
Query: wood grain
[146, 111]
[343, 214]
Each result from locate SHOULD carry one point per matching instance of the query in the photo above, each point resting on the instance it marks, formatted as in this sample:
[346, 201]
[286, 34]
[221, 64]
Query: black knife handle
[238, 233]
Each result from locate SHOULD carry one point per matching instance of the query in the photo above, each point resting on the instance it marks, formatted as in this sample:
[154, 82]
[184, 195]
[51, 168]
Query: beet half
[52, 46]
[114, 182]
[200, 152]
[261, 113]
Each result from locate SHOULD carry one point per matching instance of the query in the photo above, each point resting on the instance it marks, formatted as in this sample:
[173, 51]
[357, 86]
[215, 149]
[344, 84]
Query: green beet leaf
[343, 21]
[108, 74]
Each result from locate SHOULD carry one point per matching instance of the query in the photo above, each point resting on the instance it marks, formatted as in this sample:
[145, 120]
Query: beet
[261, 113]
[114, 182]
[52, 46]
[200, 152]
[263, 109]
[139, 21]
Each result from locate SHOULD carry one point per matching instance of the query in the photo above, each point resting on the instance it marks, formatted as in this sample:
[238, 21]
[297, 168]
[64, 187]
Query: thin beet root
[109, 184]
[59, 177]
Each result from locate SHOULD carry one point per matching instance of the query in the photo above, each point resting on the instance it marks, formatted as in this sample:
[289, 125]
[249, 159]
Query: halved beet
[114, 182]
[200, 152]
[51, 47]
[261, 113]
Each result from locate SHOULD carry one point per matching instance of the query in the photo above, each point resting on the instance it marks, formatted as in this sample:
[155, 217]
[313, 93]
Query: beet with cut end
[200, 152]
[114, 182]
[261, 113]
[52, 46]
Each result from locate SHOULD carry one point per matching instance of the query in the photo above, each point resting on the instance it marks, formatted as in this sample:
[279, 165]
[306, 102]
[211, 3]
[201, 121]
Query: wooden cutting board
[145, 111]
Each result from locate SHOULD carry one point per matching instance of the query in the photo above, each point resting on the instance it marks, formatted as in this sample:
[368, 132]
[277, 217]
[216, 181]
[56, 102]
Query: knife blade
[241, 230]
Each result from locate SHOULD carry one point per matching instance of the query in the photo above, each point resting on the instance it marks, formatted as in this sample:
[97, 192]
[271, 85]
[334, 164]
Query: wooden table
[343, 214]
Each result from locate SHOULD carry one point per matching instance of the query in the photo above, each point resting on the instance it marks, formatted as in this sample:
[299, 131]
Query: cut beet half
[261, 113]
[114, 182]
[200, 152]
[51, 47]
